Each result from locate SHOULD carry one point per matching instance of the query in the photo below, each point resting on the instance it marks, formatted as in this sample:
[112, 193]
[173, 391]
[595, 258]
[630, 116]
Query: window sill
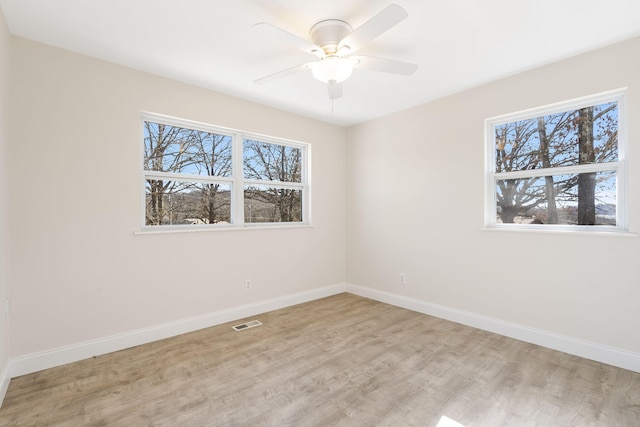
[561, 230]
[196, 229]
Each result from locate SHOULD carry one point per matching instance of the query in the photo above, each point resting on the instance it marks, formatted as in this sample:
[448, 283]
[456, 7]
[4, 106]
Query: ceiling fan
[333, 42]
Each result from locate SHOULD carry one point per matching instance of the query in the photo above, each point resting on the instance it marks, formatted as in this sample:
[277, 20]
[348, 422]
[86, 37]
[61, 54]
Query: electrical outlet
[248, 284]
[403, 279]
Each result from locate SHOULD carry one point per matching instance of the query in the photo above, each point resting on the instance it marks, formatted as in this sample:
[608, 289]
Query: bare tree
[594, 146]
[530, 144]
[166, 149]
[586, 181]
[578, 137]
[552, 211]
[214, 152]
[278, 164]
[191, 152]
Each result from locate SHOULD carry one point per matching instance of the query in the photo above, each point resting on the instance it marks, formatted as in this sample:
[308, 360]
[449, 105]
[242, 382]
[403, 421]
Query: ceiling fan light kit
[333, 41]
[332, 68]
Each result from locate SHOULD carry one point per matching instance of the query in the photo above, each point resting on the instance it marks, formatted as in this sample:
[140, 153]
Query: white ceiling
[457, 44]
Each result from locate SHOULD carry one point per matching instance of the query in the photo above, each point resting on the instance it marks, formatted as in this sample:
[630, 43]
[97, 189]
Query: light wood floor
[338, 361]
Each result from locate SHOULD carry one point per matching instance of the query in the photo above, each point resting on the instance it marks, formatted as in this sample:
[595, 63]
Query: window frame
[619, 167]
[236, 181]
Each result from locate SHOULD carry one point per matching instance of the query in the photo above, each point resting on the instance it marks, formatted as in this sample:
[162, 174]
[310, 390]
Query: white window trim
[237, 180]
[621, 228]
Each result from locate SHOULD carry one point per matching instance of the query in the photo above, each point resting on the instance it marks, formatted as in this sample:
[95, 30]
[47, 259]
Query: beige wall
[4, 198]
[80, 272]
[414, 185]
[415, 206]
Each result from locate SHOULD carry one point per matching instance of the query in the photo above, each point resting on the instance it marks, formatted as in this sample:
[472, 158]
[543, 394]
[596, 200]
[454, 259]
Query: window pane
[178, 150]
[271, 162]
[584, 136]
[181, 203]
[577, 199]
[269, 204]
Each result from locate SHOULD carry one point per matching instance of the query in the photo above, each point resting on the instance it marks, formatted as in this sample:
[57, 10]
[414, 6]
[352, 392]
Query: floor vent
[247, 325]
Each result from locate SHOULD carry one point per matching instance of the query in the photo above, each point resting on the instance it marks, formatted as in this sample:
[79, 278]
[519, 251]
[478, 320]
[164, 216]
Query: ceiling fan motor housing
[328, 33]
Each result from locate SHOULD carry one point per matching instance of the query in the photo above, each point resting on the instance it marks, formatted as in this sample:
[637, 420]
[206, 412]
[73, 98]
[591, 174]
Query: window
[199, 176]
[557, 167]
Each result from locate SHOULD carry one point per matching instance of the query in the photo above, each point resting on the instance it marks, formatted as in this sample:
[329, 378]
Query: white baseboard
[4, 383]
[48, 359]
[589, 350]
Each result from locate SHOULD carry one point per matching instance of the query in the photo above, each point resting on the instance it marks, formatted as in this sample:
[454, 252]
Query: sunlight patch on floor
[448, 422]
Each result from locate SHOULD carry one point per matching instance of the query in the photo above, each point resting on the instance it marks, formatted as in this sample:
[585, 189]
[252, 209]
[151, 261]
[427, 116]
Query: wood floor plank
[339, 361]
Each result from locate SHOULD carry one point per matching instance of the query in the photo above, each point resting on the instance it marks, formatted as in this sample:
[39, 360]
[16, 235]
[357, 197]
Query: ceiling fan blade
[371, 29]
[335, 89]
[289, 38]
[384, 65]
[284, 73]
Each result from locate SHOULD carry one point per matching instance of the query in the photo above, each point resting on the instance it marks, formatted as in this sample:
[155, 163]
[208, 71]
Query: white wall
[4, 199]
[80, 272]
[415, 206]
